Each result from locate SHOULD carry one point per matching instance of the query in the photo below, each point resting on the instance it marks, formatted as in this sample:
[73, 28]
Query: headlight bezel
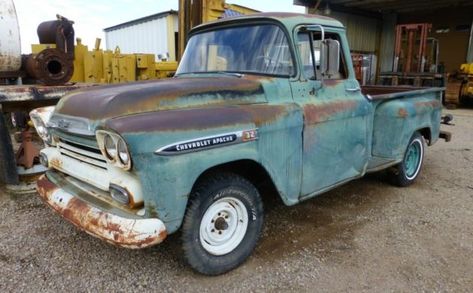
[40, 118]
[123, 154]
[113, 158]
[110, 151]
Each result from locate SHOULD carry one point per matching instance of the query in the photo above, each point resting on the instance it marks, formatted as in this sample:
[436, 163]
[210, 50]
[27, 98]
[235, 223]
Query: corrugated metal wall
[362, 32]
[146, 37]
[388, 41]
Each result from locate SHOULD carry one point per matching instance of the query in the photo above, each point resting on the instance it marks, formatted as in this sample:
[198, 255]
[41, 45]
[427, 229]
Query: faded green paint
[312, 135]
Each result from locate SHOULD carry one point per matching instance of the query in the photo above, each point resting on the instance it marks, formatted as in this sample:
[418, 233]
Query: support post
[8, 173]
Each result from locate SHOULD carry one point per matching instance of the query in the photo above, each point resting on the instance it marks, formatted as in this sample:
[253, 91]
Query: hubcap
[223, 226]
[413, 159]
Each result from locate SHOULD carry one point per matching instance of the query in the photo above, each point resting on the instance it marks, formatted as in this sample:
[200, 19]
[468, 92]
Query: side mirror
[330, 57]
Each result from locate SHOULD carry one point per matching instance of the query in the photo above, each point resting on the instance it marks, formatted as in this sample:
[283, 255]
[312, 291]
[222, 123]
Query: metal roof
[230, 13]
[397, 6]
[140, 20]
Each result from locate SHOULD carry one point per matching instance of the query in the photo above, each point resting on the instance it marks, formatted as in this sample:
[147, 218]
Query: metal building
[153, 34]
[381, 31]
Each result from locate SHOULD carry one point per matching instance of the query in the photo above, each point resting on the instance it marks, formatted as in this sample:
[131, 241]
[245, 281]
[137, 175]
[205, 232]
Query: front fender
[167, 180]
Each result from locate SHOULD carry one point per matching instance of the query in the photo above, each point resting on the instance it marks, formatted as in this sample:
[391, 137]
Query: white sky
[91, 17]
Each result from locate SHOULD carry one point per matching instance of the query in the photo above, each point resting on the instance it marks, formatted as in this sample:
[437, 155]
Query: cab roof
[287, 19]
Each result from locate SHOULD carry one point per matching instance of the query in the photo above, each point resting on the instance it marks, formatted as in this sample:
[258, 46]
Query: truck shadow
[326, 223]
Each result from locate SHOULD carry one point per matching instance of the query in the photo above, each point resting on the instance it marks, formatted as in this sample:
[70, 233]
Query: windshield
[260, 49]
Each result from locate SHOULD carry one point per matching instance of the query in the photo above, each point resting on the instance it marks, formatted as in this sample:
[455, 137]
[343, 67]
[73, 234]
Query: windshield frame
[239, 23]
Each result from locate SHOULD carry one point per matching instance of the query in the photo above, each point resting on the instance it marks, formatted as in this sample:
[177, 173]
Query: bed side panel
[396, 120]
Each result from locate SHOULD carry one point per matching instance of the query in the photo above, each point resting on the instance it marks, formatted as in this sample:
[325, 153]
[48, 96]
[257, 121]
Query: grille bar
[81, 151]
[84, 154]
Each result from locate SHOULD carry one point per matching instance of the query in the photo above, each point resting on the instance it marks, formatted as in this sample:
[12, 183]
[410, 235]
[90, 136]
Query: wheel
[407, 171]
[222, 224]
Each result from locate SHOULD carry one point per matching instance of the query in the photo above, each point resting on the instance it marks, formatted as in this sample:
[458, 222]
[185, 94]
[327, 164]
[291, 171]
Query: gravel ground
[364, 236]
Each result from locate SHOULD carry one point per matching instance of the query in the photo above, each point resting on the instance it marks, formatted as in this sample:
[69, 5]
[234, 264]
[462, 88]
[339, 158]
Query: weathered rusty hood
[99, 103]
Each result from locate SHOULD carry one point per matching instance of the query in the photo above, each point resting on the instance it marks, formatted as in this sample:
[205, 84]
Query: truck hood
[104, 102]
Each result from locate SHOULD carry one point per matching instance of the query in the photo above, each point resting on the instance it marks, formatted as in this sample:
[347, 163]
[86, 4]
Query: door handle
[353, 90]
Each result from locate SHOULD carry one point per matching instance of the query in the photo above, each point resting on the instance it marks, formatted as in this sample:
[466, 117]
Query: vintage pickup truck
[269, 98]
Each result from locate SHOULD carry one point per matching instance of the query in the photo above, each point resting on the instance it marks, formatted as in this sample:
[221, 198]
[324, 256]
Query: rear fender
[395, 121]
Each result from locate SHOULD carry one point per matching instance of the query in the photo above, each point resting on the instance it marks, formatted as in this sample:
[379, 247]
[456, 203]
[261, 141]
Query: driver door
[336, 116]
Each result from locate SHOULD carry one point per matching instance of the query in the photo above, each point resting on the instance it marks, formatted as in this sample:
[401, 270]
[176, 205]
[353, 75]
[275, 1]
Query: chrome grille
[85, 154]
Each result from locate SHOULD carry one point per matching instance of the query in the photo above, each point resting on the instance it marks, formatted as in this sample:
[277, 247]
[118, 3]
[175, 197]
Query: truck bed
[378, 92]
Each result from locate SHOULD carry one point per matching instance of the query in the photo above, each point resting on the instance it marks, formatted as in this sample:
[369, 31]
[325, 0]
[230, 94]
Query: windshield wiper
[229, 73]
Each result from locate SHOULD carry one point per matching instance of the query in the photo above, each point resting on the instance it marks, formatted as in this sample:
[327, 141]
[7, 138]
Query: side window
[312, 41]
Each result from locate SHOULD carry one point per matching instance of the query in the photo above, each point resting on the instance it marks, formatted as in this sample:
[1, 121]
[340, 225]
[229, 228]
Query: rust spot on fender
[402, 113]
[199, 118]
[264, 114]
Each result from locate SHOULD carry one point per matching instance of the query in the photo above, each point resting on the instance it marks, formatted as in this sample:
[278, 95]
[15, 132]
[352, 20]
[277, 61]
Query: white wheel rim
[421, 158]
[223, 226]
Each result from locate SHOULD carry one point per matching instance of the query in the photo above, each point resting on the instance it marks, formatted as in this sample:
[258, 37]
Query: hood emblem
[63, 124]
[208, 142]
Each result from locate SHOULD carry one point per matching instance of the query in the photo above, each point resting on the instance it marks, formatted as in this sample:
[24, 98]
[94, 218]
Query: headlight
[123, 152]
[40, 118]
[41, 128]
[114, 148]
[110, 147]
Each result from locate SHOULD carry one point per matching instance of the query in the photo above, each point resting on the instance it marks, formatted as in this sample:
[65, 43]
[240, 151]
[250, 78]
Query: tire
[408, 170]
[222, 224]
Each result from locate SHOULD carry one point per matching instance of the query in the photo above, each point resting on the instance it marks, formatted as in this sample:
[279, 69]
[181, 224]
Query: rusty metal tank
[10, 46]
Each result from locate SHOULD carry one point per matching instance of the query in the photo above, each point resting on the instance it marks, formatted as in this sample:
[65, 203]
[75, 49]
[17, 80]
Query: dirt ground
[364, 236]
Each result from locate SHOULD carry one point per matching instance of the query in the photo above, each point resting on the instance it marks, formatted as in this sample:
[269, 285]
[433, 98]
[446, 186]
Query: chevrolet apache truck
[268, 98]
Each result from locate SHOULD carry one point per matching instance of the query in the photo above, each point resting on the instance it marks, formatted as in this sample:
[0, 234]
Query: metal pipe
[49, 67]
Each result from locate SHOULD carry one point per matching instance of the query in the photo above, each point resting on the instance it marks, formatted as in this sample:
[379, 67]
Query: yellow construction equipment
[195, 12]
[107, 66]
[99, 66]
[466, 91]
[460, 86]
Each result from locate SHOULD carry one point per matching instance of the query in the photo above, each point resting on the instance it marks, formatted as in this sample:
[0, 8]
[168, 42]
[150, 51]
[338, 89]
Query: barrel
[10, 46]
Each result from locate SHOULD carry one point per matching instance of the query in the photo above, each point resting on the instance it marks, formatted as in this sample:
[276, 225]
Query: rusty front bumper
[118, 230]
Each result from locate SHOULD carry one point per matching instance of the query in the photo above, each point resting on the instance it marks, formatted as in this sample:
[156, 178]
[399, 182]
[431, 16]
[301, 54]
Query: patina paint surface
[336, 134]
[168, 180]
[311, 135]
[127, 99]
